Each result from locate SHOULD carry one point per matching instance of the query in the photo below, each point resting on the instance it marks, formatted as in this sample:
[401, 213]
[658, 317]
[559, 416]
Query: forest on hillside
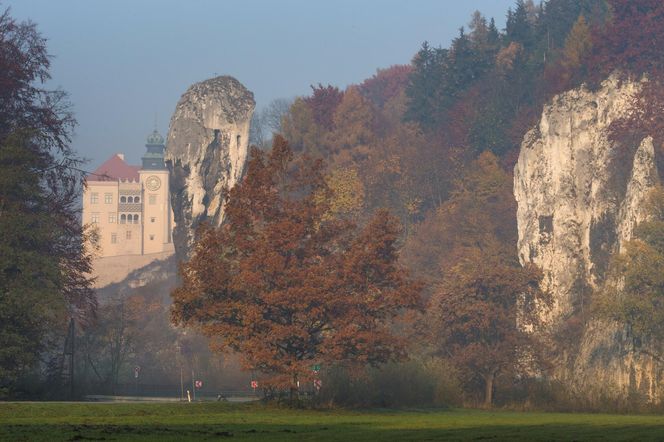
[387, 211]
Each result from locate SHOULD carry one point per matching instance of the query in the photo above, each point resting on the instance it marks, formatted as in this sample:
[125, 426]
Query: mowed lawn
[215, 421]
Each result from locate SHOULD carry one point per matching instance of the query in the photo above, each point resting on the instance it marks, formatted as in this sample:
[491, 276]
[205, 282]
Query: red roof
[113, 169]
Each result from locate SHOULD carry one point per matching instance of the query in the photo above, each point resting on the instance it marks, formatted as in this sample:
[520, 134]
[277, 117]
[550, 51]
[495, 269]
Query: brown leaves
[285, 284]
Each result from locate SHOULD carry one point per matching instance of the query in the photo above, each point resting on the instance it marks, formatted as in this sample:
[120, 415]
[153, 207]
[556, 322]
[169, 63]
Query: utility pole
[193, 384]
[70, 348]
[181, 384]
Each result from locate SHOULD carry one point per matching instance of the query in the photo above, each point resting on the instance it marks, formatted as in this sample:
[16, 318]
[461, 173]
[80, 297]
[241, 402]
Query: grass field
[214, 421]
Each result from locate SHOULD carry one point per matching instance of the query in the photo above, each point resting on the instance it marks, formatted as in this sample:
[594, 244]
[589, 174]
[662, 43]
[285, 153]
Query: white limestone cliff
[579, 196]
[206, 150]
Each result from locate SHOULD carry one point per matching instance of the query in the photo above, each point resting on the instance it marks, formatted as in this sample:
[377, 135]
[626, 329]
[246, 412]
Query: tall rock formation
[206, 151]
[579, 197]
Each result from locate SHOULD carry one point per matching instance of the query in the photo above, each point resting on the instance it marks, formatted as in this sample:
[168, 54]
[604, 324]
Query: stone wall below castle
[114, 269]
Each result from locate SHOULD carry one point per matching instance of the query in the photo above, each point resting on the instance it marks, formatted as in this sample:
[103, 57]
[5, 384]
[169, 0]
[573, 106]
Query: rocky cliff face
[206, 151]
[579, 197]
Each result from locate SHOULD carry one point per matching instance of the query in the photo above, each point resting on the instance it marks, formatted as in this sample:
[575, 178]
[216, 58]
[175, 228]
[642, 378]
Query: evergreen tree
[493, 36]
[518, 27]
[425, 85]
[43, 265]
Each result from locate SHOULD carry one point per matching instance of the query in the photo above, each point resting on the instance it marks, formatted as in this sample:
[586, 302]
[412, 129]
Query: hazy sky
[123, 61]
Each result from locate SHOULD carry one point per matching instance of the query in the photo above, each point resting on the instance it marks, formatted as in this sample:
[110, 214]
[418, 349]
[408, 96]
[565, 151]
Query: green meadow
[215, 421]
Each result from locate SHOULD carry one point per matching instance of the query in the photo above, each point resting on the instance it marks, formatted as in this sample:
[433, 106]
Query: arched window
[130, 199]
[135, 219]
[137, 199]
[123, 218]
[123, 199]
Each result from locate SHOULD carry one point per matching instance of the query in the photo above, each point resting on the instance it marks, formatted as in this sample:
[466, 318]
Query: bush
[415, 383]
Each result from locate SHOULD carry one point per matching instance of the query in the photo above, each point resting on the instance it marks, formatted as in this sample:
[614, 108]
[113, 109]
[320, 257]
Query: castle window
[130, 199]
[237, 141]
[135, 219]
[108, 198]
[152, 219]
[152, 199]
[111, 218]
[151, 237]
[123, 199]
[123, 218]
[114, 238]
[137, 199]
[128, 234]
[95, 218]
[94, 198]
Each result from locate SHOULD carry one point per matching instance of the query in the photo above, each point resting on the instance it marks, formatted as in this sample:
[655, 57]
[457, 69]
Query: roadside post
[137, 371]
[193, 384]
[317, 382]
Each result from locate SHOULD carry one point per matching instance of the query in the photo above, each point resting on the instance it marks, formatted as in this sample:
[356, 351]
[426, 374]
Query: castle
[130, 205]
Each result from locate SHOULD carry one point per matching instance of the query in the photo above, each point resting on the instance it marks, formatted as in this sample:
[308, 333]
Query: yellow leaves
[507, 56]
[347, 193]
[413, 205]
[577, 45]
[300, 128]
[353, 128]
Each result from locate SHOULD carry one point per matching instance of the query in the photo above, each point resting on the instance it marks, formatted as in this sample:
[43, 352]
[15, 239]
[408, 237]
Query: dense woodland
[374, 233]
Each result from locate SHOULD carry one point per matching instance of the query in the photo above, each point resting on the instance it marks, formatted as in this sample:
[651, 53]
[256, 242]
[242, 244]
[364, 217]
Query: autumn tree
[43, 263]
[478, 217]
[485, 307]
[300, 127]
[323, 102]
[286, 285]
[353, 136]
[630, 41]
[386, 84]
[344, 193]
[488, 314]
[628, 45]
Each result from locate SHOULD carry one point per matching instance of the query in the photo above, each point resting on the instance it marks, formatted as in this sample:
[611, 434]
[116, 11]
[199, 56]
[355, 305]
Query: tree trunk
[294, 391]
[488, 389]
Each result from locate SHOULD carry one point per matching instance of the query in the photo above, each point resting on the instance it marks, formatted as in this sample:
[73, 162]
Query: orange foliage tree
[488, 315]
[485, 307]
[286, 285]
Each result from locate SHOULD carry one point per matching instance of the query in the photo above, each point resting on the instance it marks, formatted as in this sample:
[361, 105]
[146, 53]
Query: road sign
[137, 370]
[315, 367]
[198, 384]
[317, 384]
[254, 385]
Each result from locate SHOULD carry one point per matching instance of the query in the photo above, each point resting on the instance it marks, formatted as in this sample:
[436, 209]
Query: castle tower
[157, 214]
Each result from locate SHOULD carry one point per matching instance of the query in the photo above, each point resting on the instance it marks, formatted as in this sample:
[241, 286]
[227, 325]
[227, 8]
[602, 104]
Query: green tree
[518, 27]
[634, 292]
[424, 86]
[43, 264]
